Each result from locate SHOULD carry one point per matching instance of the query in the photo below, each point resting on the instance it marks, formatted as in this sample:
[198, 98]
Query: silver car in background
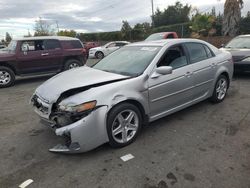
[133, 86]
[239, 47]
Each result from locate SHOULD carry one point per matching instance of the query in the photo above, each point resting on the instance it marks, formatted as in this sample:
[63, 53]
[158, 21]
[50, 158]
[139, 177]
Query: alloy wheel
[221, 88]
[73, 65]
[5, 77]
[125, 126]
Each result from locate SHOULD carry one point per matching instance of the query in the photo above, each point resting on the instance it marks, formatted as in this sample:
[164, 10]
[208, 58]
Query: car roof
[120, 41]
[163, 42]
[248, 35]
[46, 38]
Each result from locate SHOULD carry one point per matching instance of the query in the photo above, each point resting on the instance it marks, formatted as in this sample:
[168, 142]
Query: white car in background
[102, 51]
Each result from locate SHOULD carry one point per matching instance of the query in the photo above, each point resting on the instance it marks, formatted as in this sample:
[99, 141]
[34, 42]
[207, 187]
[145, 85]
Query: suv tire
[7, 77]
[72, 63]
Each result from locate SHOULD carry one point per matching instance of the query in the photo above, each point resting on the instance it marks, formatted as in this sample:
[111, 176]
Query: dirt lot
[203, 146]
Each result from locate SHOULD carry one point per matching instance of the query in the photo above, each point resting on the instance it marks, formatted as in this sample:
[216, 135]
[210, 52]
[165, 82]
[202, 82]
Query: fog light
[74, 146]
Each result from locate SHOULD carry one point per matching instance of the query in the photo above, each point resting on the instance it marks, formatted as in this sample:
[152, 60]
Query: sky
[19, 16]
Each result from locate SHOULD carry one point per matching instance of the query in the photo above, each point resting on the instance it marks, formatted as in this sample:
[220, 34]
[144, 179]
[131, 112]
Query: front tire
[7, 77]
[71, 64]
[220, 89]
[123, 124]
[99, 55]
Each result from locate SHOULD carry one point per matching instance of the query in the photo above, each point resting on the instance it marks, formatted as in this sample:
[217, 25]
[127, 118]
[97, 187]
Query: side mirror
[164, 70]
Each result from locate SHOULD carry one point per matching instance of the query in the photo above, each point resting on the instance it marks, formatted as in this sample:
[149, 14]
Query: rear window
[72, 44]
[196, 51]
[52, 44]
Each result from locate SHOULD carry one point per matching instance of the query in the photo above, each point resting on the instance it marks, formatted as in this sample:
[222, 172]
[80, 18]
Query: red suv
[39, 55]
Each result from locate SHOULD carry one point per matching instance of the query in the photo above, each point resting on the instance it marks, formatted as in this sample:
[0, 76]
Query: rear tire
[220, 89]
[72, 63]
[7, 77]
[124, 123]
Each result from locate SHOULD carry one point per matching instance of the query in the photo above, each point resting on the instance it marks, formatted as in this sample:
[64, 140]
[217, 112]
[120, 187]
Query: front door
[33, 58]
[169, 93]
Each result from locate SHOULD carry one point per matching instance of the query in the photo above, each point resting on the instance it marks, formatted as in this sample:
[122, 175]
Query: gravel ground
[205, 145]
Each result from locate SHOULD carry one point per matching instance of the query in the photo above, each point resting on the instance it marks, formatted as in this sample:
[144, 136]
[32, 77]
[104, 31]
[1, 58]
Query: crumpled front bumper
[85, 134]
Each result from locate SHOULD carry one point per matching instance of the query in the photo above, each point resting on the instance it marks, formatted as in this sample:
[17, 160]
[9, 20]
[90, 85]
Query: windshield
[156, 36]
[239, 43]
[12, 46]
[129, 60]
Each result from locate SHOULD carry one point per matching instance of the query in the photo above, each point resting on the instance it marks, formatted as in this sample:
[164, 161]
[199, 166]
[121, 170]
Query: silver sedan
[133, 86]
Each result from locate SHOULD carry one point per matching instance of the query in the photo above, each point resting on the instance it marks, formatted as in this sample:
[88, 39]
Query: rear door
[169, 93]
[204, 68]
[53, 54]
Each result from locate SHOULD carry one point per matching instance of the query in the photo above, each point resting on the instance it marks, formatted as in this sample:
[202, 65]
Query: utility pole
[57, 26]
[152, 4]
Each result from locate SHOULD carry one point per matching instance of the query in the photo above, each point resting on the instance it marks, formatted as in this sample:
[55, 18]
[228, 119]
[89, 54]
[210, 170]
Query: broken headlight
[88, 106]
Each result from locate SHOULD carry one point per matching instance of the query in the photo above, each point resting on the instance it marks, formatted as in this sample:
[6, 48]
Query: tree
[43, 28]
[140, 31]
[203, 24]
[174, 14]
[232, 16]
[7, 37]
[245, 24]
[126, 30]
[68, 33]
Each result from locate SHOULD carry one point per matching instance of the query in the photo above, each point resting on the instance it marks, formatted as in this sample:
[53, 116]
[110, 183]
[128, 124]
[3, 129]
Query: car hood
[75, 79]
[238, 54]
[96, 48]
[5, 54]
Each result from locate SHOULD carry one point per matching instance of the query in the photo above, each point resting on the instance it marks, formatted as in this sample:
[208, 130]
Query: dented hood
[82, 77]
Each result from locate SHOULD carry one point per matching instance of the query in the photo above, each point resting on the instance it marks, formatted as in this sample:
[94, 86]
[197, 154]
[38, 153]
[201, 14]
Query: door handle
[188, 74]
[213, 65]
[45, 54]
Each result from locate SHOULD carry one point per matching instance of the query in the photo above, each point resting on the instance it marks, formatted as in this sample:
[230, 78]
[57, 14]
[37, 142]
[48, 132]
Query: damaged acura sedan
[133, 86]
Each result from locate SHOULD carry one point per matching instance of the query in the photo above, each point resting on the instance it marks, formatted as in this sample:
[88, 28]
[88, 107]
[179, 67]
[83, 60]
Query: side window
[76, 44]
[196, 51]
[174, 57]
[111, 45]
[71, 44]
[170, 36]
[209, 52]
[35, 45]
[120, 44]
[52, 44]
